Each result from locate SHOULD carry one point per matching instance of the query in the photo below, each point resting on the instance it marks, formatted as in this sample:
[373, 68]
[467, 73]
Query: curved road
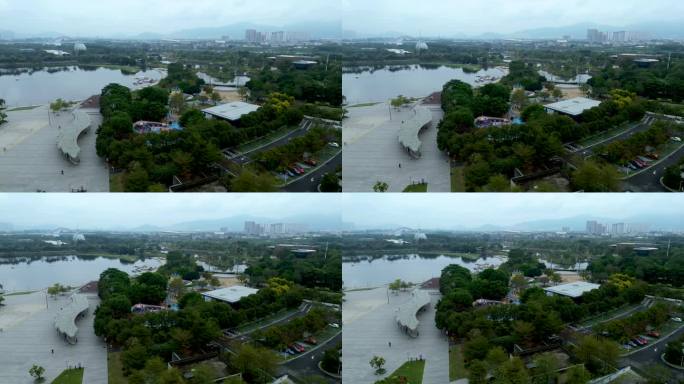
[305, 184]
[648, 356]
[307, 364]
[649, 181]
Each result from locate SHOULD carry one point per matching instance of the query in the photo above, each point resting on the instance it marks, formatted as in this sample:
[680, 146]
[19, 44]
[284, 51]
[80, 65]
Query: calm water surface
[42, 87]
[414, 81]
[411, 268]
[66, 270]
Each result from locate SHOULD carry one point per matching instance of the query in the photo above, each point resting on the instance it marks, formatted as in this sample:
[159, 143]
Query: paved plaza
[369, 327]
[372, 152]
[31, 341]
[30, 160]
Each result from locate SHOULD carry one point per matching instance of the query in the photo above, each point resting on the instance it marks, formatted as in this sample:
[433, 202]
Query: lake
[43, 272]
[412, 268]
[42, 87]
[412, 81]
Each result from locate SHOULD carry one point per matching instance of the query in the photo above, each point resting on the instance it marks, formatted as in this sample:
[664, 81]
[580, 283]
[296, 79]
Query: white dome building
[421, 46]
[79, 47]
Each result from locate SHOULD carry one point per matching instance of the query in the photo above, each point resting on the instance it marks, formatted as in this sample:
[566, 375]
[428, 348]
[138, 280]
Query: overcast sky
[449, 211]
[109, 210]
[130, 17]
[473, 17]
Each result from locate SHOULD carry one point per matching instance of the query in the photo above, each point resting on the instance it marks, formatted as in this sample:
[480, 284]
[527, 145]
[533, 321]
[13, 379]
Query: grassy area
[463, 255]
[116, 182]
[70, 376]
[618, 312]
[412, 370]
[273, 136]
[115, 369]
[361, 289]
[266, 320]
[457, 179]
[22, 108]
[457, 368]
[607, 134]
[363, 105]
[422, 187]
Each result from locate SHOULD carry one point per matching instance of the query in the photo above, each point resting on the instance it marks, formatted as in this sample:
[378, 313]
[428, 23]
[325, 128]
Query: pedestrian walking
[53, 351]
[62, 171]
[399, 165]
[390, 344]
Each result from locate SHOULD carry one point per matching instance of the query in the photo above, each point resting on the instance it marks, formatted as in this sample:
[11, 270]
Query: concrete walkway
[30, 341]
[371, 152]
[31, 160]
[368, 333]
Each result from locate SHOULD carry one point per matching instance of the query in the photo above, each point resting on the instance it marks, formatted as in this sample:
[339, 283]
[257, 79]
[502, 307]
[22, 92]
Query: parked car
[297, 348]
[677, 319]
[632, 344]
[640, 163]
[311, 340]
[655, 334]
[334, 144]
[643, 340]
[676, 138]
[311, 162]
[335, 325]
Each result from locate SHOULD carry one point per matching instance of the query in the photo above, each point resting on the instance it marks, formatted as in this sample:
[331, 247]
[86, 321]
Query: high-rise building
[596, 228]
[251, 35]
[618, 229]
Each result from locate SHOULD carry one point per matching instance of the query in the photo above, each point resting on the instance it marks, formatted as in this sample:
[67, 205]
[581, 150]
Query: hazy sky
[102, 211]
[130, 17]
[448, 211]
[446, 17]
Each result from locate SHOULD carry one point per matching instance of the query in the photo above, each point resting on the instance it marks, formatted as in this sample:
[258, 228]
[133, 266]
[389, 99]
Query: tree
[577, 375]
[599, 355]
[251, 361]
[512, 372]
[216, 97]
[177, 102]
[378, 362]
[477, 372]
[3, 116]
[249, 181]
[137, 180]
[519, 98]
[380, 186]
[546, 371]
[557, 93]
[330, 183]
[37, 372]
[495, 357]
[594, 177]
[243, 92]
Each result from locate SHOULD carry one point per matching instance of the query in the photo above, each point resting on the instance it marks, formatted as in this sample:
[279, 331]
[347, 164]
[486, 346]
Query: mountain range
[663, 30]
[236, 31]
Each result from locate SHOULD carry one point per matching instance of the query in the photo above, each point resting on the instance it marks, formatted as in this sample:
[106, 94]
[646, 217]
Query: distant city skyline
[127, 211]
[130, 17]
[449, 18]
[550, 212]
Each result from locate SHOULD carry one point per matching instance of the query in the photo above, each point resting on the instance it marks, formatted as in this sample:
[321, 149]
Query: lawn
[19, 293]
[115, 369]
[22, 108]
[412, 370]
[416, 188]
[457, 368]
[116, 182]
[70, 376]
[457, 179]
[363, 105]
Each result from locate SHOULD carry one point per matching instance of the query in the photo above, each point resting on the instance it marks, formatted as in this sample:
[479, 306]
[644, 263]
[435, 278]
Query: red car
[297, 347]
[655, 334]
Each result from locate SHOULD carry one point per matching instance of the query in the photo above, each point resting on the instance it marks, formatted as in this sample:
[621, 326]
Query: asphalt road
[646, 357]
[306, 185]
[639, 127]
[649, 181]
[307, 365]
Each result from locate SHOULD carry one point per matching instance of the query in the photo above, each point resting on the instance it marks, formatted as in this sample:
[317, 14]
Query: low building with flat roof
[572, 290]
[572, 107]
[231, 111]
[230, 295]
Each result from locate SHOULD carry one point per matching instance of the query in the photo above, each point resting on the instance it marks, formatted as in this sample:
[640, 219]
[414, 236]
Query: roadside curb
[312, 170]
[654, 164]
[312, 349]
[662, 357]
[666, 187]
[320, 366]
[655, 343]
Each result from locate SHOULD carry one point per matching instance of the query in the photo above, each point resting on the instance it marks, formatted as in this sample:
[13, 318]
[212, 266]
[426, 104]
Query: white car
[677, 319]
[334, 325]
[676, 138]
[334, 144]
